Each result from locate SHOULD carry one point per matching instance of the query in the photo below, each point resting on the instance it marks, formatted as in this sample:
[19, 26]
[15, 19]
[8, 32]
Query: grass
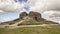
[11, 22]
[44, 21]
[35, 22]
[55, 29]
[29, 22]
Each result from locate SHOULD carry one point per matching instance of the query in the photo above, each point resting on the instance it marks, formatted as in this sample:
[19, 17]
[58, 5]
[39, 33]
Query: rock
[23, 14]
[35, 15]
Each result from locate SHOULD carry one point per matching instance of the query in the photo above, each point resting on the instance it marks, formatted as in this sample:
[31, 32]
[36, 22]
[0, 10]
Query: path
[25, 19]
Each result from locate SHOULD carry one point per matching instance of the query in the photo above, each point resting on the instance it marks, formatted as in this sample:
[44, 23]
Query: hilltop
[34, 18]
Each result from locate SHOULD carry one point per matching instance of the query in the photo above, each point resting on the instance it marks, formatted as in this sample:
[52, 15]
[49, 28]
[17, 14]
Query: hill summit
[35, 18]
[33, 15]
[31, 18]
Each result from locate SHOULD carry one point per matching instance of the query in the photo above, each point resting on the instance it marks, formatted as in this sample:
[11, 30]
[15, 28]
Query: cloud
[44, 5]
[10, 5]
[1, 11]
[52, 16]
[34, 5]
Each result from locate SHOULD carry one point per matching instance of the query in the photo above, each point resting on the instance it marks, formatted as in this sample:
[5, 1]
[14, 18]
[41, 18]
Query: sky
[7, 14]
[10, 9]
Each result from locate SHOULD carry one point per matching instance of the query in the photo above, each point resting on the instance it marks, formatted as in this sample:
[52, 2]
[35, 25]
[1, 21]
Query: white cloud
[52, 16]
[1, 11]
[35, 5]
[10, 5]
[43, 5]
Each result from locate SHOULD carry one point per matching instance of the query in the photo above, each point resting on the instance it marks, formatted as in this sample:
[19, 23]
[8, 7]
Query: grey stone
[35, 15]
[22, 15]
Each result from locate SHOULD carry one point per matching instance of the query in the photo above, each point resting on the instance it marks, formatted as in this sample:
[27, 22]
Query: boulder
[35, 15]
[23, 14]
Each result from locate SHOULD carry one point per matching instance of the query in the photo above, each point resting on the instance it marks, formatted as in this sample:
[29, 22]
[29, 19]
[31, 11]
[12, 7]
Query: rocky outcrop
[22, 15]
[33, 15]
[37, 17]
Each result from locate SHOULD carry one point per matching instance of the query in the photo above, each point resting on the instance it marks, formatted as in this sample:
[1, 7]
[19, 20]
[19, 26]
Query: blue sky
[9, 16]
[21, 0]
[12, 15]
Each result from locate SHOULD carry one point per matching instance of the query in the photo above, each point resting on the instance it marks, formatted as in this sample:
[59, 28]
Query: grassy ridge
[30, 22]
[11, 22]
[55, 29]
[34, 22]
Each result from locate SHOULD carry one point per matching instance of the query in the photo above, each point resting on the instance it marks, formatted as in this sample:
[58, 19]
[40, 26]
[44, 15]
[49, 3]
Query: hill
[34, 18]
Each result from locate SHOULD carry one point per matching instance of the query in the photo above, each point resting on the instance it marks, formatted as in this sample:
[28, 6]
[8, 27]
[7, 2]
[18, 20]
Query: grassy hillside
[52, 29]
[44, 21]
[29, 22]
[34, 22]
[10, 22]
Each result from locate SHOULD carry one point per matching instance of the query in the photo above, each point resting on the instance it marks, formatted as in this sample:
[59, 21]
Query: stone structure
[23, 14]
[35, 15]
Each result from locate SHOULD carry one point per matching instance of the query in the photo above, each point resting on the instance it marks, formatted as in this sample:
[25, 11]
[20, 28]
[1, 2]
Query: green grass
[35, 22]
[44, 21]
[32, 30]
[11, 22]
[29, 22]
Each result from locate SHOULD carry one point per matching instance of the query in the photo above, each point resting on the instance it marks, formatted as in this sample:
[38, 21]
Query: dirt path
[18, 23]
[25, 19]
[13, 27]
[43, 25]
